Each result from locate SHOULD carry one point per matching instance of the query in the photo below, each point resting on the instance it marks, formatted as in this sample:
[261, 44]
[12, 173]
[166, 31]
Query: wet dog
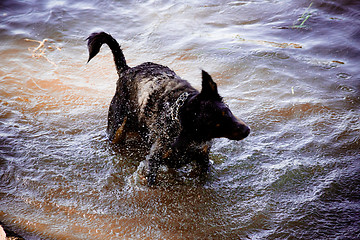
[177, 121]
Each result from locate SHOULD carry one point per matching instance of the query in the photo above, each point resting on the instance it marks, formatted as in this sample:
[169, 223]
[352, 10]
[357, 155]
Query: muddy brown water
[290, 69]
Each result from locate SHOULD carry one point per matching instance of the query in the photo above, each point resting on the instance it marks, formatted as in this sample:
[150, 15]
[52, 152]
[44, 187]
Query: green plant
[304, 17]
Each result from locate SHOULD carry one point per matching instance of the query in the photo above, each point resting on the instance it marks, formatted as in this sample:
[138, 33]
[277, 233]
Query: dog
[176, 121]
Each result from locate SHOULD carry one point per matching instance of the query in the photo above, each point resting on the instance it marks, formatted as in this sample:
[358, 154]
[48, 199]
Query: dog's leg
[204, 167]
[119, 134]
[153, 169]
[203, 163]
[116, 118]
[155, 159]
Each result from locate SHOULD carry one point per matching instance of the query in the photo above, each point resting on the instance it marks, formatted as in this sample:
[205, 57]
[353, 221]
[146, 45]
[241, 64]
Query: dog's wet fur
[166, 112]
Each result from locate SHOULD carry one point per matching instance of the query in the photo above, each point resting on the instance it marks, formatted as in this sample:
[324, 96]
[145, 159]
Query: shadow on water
[295, 176]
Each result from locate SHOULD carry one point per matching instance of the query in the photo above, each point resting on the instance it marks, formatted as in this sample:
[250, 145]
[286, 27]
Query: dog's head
[209, 117]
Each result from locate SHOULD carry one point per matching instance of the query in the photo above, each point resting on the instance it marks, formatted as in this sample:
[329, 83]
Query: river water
[290, 69]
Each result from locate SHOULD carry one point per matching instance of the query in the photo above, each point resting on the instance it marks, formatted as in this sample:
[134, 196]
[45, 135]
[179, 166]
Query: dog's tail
[96, 40]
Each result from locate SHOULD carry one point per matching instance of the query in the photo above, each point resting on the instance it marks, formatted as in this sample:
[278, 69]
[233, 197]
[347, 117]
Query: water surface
[295, 81]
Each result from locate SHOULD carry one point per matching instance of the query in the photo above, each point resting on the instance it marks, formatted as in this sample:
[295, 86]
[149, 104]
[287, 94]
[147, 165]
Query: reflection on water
[296, 176]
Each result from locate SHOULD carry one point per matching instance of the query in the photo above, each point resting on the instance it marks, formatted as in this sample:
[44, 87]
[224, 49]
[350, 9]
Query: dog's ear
[209, 87]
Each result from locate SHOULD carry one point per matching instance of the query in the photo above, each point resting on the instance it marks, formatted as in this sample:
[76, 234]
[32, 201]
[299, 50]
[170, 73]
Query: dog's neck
[188, 134]
[174, 110]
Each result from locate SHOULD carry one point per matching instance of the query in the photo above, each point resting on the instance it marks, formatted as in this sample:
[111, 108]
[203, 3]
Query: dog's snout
[242, 130]
[246, 131]
[239, 132]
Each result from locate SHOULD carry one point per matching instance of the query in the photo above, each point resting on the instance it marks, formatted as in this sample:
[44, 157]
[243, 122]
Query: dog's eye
[217, 125]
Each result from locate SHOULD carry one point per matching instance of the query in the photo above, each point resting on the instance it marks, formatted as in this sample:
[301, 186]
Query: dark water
[294, 80]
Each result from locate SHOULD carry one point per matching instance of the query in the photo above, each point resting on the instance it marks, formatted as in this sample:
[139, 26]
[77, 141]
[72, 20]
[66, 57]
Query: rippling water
[290, 69]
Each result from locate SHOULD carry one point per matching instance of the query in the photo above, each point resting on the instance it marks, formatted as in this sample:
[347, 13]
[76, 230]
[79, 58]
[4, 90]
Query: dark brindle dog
[176, 120]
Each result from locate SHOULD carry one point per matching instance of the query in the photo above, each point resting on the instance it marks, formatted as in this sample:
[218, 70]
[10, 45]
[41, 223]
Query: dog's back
[148, 95]
[157, 89]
